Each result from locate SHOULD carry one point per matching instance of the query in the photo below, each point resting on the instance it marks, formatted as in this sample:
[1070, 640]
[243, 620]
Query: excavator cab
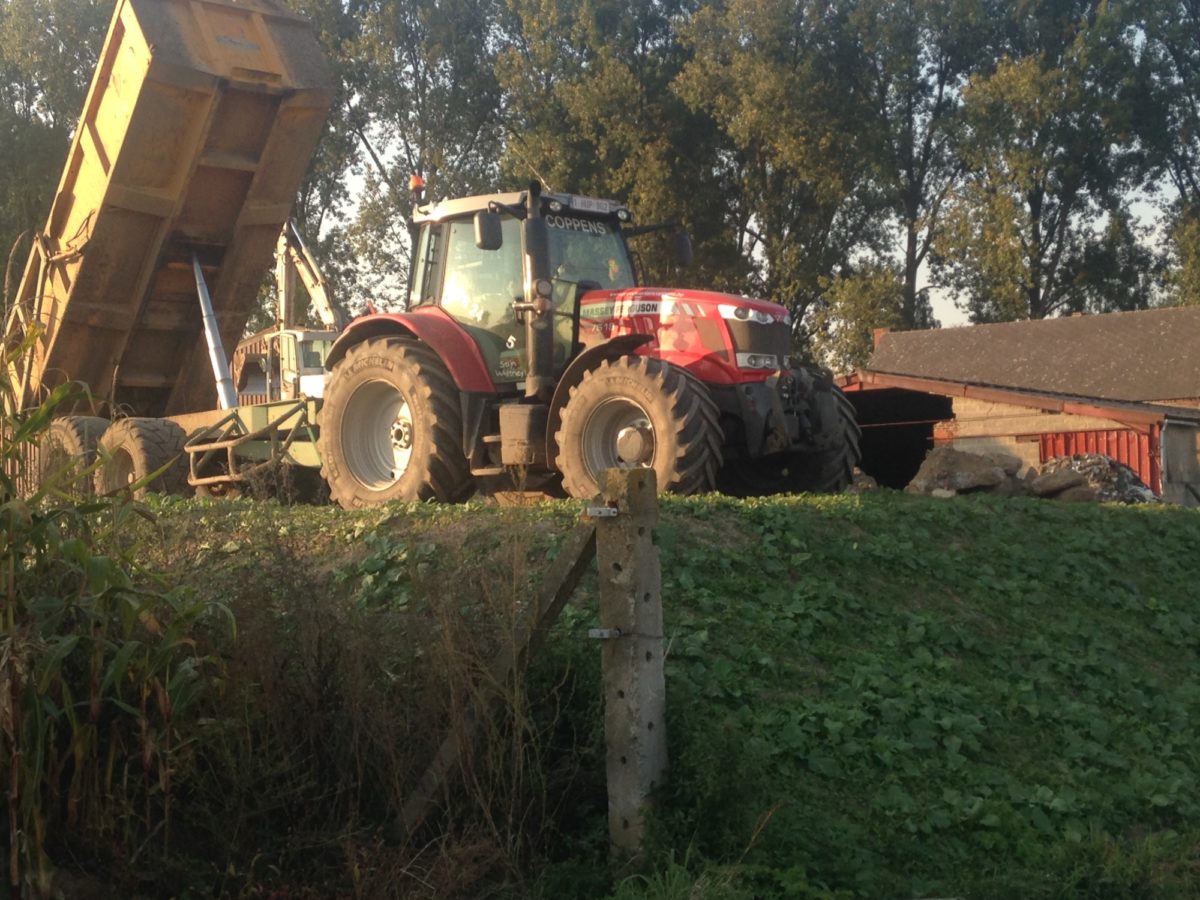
[287, 361]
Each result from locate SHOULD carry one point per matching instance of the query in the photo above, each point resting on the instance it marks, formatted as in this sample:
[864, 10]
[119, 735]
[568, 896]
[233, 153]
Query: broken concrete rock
[947, 472]
[861, 482]
[1012, 487]
[948, 469]
[1010, 464]
[1051, 483]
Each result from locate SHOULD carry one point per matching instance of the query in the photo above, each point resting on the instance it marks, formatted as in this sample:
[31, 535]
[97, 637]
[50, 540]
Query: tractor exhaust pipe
[539, 320]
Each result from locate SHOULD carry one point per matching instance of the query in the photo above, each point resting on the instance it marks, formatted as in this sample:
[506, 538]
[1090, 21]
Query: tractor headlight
[758, 361]
[745, 314]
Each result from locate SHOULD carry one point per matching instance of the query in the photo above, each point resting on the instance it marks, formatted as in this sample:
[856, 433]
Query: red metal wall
[1140, 451]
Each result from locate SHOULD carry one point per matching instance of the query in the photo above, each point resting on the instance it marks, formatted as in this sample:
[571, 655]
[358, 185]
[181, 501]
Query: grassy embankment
[884, 696]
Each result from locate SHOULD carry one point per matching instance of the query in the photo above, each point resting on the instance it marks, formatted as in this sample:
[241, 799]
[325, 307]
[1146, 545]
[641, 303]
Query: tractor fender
[622, 345]
[433, 326]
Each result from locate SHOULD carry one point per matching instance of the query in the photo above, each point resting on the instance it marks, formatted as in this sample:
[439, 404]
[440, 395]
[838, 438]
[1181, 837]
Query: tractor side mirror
[681, 247]
[488, 233]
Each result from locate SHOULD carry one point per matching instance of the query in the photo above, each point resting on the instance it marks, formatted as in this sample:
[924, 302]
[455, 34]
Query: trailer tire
[67, 449]
[133, 449]
[829, 470]
[391, 406]
[637, 411]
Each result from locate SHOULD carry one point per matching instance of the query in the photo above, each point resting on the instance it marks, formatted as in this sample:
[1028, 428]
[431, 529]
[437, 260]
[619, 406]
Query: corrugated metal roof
[1150, 355]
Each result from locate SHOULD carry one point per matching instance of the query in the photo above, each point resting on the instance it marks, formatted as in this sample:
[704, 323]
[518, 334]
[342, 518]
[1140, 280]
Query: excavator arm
[294, 261]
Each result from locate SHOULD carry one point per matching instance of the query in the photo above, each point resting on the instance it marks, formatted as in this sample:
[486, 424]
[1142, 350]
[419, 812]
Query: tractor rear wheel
[829, 470]
[133, 449]
[66, 450]
[391, 427]
[639, 412]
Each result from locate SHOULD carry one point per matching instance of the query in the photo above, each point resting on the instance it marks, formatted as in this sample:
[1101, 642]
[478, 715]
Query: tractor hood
[626, 302]
[722, 338]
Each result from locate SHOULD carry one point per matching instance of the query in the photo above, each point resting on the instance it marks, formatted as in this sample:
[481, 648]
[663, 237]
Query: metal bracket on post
[600, 512]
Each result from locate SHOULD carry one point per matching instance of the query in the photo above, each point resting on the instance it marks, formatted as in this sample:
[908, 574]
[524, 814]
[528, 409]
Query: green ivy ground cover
[878, 696]
[898, 697]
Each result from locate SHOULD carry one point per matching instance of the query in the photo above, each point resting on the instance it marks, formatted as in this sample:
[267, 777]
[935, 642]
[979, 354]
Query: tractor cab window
[481, 285]
[425, 262]
[588, 250]
[479, 289]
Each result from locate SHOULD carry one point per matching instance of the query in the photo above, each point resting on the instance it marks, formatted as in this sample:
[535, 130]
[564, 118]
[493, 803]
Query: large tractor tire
[66, 451]
[133, 449]
[826, 471]
[639, 412]
[391, 427]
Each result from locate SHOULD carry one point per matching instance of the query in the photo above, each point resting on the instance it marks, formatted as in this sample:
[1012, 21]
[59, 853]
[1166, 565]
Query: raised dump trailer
[199, 125]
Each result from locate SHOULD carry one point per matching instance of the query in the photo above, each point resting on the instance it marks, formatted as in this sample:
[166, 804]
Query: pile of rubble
[1086, 477]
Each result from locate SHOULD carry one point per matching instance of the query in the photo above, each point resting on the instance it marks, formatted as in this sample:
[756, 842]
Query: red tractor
[528, 349]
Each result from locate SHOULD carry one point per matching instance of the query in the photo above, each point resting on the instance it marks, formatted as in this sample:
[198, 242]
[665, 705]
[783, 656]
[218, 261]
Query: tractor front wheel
[391, 427]
[825, 471]
[639, 412]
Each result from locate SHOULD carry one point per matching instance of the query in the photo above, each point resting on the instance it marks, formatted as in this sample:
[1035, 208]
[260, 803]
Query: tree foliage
[47, 51]
[917, 55]
[772, 76]
[1049, 154]
[857, 302]
[1000, 154]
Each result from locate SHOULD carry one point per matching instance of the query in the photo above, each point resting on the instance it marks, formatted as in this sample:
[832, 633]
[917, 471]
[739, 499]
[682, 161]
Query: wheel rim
[53, 457]
[618, 435]
[121, 471]
[377, 435]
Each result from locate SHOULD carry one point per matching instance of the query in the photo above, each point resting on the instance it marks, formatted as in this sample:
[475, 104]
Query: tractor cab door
[479, 288]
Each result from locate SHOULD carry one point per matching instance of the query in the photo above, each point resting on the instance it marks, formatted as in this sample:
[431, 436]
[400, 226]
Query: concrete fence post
[631, 629]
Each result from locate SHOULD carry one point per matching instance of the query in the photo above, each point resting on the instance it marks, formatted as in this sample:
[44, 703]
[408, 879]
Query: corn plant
[97, 669]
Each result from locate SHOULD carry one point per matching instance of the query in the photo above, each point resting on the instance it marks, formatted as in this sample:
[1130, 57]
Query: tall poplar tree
[780, 79]
[592, 108]
[423, 99]
[1170, 124]
[917, 56]
[1050, 157]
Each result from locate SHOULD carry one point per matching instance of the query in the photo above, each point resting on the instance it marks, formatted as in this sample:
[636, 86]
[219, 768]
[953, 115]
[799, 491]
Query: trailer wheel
[65, 452]
[635, 412]
[829, 470]
[391, 427]
[133, 449]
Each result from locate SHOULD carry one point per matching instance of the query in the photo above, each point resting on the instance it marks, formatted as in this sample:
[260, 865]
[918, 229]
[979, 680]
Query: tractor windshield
[588, 250]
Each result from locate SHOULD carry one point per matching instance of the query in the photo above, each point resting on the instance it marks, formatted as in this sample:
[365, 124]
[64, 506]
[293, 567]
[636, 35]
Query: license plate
[589, 204]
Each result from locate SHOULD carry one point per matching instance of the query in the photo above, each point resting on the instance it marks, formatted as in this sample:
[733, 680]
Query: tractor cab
[494, 267]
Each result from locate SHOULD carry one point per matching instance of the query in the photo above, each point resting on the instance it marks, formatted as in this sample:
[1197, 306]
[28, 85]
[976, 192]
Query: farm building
[1126, 385]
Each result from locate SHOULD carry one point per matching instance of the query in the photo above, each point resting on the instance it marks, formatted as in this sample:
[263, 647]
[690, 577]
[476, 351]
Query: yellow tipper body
[198, 128]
